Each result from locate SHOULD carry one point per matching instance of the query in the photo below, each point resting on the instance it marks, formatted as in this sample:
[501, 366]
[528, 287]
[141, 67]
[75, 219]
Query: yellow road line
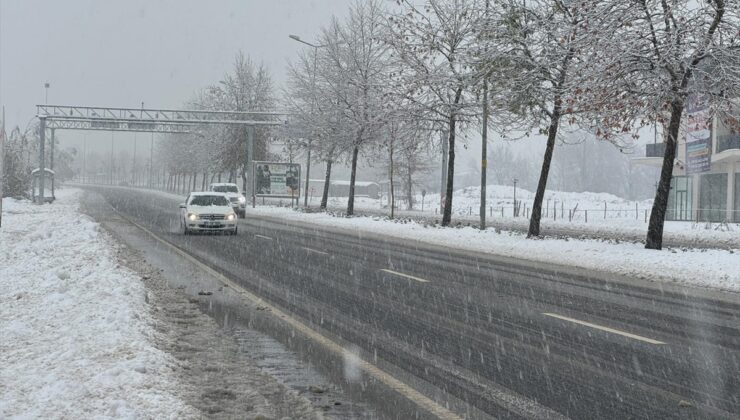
[419, 279]
[602, 328]
[403, 389]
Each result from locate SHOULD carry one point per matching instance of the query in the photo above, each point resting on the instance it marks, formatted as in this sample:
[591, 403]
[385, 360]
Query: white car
[207, 212]
[238, 201]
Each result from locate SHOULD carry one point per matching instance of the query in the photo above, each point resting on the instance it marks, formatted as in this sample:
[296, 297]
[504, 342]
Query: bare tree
[431, 45]
[660, 54]
[357, 66]
[539, 81]
[248, 88]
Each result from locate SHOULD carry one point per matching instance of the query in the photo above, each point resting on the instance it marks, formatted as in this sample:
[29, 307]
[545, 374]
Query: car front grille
[212, 217]
[234, 199]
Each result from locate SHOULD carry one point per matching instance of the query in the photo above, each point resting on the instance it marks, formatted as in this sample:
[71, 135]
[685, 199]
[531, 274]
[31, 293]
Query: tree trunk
[409, 189]
[447, 214]
[654, 238]
[203, 184]
[391, 192]
[327, 181]
[552, 132]
[351, 200]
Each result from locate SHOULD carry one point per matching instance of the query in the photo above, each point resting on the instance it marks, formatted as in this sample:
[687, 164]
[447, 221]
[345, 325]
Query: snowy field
[77, 334]
[623, 217]
[718, 269]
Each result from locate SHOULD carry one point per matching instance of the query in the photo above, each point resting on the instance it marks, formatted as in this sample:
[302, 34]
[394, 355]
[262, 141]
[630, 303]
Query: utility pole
[484, 149]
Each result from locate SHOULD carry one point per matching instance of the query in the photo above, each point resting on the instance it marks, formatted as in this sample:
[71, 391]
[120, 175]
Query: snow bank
[621, 217]
[77, 335]
[697, 267]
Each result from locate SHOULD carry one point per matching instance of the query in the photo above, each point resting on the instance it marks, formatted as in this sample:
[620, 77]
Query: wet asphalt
[484, 336]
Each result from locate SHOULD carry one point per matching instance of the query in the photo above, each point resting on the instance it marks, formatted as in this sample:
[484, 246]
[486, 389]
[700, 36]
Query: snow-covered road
[77, 333]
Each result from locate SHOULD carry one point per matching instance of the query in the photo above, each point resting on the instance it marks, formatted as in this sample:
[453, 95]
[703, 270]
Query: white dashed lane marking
[419, 279]
[602, 328]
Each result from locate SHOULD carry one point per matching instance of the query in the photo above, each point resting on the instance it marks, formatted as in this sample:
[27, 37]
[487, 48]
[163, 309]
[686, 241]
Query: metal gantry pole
[51, 158]
[111, 158]
[151, 160]
[42, 141]
[2, 160]
[250, 150]
[133, 165]
[84, 159]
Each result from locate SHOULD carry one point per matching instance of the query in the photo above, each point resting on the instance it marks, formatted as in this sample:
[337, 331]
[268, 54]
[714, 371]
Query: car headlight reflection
[192, 217]
[230, 216]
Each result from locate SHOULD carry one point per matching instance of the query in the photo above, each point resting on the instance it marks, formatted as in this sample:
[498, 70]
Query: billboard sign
[698, 134]
[276, 179]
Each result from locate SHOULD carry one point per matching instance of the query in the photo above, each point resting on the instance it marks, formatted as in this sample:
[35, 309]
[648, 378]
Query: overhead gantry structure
[72, 117]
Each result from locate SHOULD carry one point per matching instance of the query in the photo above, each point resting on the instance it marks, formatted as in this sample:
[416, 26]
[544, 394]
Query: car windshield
[225, 188]
[209, 200]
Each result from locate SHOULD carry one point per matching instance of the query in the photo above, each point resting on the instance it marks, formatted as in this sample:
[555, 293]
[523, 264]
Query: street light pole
[313, 104]
[515, 208]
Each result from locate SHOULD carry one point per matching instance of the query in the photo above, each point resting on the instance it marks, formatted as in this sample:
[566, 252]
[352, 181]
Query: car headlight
[242, 199]
[192, 216]
[230, 216]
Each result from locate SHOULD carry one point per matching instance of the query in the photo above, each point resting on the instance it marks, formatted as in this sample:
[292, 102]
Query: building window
[679, 199]
[713, 197]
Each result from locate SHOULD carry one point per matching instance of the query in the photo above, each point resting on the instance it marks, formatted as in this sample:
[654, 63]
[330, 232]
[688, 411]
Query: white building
[706, 174]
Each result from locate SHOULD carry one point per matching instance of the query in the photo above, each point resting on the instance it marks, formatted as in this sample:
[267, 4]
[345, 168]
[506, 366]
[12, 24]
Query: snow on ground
[718, 269]
[77, 335]
[590, 218]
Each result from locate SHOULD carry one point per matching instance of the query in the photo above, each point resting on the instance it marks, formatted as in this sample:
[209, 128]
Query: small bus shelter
[48, 174]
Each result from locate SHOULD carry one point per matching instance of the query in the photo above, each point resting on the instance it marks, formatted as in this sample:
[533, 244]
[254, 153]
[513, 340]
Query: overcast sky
[120, 53]
[106, 53]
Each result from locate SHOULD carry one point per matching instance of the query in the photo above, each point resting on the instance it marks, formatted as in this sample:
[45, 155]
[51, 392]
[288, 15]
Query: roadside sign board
[276, 179]
[698, 135]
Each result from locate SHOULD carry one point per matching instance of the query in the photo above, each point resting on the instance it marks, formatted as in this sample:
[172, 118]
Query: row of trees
[218, 151]
[389, 78]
